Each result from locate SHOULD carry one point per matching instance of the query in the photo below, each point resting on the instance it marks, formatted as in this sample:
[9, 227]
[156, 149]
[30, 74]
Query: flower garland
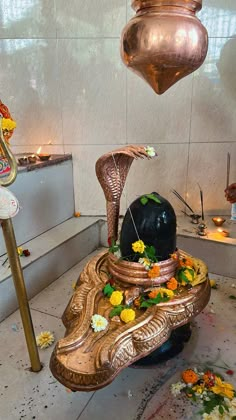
[217, 396]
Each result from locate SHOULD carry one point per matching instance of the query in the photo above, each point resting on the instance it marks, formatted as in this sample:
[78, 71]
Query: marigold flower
[189, 376]
[174, 257]
[44, 339]
[172, 284]
[116, 298]
[186, 262]
[8, 124]
[223, 388]
[138, 246]
[154, 272]
[98, 323]
[163, 291]
[127, 315]
[137, 302]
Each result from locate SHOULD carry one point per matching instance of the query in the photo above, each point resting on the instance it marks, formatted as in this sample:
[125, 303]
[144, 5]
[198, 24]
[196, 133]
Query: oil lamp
[164, 42]
[218, 221]
[42, 156]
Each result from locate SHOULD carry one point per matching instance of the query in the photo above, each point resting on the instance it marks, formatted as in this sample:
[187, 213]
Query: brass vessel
[164, 42]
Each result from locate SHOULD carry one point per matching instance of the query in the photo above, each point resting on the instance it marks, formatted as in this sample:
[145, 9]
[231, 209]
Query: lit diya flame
[223, 232]
[42, 156]
[218, 221]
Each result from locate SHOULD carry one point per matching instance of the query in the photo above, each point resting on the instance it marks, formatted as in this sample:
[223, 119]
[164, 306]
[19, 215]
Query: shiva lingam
[130, 299]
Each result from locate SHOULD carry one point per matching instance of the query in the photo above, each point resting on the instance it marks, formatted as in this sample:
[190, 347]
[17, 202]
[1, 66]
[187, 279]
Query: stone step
[52, 254]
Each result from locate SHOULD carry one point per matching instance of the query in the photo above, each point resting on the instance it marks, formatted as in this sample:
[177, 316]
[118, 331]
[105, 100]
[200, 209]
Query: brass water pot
[165, 41]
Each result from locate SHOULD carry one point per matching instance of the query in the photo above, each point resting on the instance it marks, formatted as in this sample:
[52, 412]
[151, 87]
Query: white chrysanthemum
[177, 388]
[232, 407]
[150, 151]
[117, 254]
[145, 262]
[215, 415]
[44, 339]
[98, 323]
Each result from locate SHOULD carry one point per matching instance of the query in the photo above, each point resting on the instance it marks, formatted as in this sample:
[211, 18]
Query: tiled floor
[137, 394]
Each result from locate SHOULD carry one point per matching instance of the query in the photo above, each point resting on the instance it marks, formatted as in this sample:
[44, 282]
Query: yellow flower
[138, 246]
[44, 339]
[189, 274]
[20, 251]
[198, 389]
[223, 388]
[116, 298]
[8, 124]
[98, 323]
[213, 283]
[127, 315]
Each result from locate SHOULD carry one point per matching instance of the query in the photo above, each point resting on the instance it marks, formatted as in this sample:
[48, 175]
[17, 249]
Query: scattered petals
[26, 252]
[77, 214]
[229, 372]
[45, 339]
[20, 251]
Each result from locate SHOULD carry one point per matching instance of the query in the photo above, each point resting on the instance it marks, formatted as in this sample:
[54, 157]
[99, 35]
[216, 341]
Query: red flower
[26, 252]
[230, 372]
[109, 240]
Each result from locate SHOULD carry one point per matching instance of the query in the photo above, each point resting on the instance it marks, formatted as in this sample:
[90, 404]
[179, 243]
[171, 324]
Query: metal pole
[21, 293]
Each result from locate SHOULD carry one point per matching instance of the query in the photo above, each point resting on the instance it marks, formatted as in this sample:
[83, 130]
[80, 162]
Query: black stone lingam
[155, 223]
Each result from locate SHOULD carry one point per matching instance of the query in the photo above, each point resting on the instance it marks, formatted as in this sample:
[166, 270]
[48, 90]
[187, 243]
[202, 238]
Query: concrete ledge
[52, 254]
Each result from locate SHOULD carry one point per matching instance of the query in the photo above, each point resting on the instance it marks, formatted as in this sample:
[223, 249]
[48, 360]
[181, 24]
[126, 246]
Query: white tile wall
[64, 82]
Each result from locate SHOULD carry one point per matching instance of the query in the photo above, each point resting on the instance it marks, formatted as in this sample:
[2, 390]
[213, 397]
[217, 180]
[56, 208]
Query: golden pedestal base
[85, 360]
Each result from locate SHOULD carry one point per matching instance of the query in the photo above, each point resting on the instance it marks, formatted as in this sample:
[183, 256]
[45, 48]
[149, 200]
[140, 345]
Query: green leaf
[116, 311]
[144, 200]
[146, 304]
[153, 197]
[108, 290]
[221, 409]
[232, 297]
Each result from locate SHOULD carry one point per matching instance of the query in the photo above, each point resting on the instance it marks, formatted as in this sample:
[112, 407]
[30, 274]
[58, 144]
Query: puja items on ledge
[25, 160]
[43, 156]
[218, 221]
[194, 217]
[223, 232]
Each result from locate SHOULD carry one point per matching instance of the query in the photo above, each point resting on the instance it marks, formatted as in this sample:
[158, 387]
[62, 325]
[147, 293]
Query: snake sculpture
[112, 170]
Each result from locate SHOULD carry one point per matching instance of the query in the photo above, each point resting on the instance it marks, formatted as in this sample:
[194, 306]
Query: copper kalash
[85, 360]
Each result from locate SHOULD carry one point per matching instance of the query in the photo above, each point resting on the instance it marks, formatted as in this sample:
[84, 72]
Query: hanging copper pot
[165, 41]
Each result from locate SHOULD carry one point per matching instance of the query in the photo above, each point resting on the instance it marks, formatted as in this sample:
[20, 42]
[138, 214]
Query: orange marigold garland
[172, 284]
[154, 272]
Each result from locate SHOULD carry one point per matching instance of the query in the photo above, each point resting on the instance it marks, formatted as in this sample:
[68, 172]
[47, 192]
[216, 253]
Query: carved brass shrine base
[86, 360]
